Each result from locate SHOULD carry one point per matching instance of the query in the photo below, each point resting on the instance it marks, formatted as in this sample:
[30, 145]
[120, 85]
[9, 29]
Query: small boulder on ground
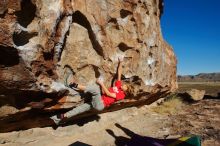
[195, 94]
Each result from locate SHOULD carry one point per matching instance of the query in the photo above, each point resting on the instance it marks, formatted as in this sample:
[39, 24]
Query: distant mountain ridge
[202, 77]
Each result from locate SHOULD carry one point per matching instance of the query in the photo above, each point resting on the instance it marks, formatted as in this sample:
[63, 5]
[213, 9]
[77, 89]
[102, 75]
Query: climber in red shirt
[116, 93]
[101, 96]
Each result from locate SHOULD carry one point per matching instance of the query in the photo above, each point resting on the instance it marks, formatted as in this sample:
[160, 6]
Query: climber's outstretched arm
[120, 60]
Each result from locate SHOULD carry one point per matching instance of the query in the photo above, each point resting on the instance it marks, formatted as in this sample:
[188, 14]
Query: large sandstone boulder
[38, 38]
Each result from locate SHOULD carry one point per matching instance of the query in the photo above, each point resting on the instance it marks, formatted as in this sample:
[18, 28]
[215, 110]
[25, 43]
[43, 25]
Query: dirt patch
[201, 118]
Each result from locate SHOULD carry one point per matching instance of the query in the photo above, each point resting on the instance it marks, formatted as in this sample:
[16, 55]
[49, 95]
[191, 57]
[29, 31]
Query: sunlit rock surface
[38, 38]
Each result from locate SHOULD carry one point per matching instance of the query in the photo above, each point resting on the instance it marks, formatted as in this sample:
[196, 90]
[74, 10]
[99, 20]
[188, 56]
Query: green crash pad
[187, 141]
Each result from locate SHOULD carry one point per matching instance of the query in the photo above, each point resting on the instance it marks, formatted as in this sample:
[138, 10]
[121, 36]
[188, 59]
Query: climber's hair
[130, 90]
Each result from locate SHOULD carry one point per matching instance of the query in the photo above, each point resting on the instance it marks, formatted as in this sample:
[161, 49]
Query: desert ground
[168, 118]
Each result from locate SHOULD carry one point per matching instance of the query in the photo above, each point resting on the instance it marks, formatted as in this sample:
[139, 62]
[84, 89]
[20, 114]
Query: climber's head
[128, 89]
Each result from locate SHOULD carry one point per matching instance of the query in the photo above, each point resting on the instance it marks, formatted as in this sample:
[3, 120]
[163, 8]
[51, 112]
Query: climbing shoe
[57, 118]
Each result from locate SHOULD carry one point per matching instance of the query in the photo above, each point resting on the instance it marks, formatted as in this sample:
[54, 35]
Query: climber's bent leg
[97, 101]
[78, 110]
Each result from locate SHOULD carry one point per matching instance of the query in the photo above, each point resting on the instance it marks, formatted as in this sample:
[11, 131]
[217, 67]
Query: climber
[101, 98]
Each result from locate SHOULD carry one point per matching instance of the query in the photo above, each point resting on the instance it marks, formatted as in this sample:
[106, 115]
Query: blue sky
[192, 28]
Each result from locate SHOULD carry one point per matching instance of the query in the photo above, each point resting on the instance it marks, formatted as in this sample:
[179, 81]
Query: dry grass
[172, 105]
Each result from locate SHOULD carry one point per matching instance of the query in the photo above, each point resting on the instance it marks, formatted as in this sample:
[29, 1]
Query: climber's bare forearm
[107, 92]
[119, 70]
[103, 92]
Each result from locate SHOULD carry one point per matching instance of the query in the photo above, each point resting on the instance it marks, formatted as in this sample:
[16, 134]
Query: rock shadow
[81, 19]
[212, 96]
[32, 99]
[124, 13]
[124, 47]
[138, 140]
[24, 120]
[186, 97]
[82, 121]
[9, 56]
[78, 143]
[27, 13]
[23, 38]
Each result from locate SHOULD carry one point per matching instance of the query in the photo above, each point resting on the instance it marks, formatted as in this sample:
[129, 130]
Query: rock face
[38, 38]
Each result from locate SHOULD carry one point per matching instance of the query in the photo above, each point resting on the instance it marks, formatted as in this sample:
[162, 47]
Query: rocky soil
[201, 118]
[171, 119]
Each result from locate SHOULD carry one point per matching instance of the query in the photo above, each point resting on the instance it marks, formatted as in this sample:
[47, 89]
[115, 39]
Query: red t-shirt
[119, 94]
